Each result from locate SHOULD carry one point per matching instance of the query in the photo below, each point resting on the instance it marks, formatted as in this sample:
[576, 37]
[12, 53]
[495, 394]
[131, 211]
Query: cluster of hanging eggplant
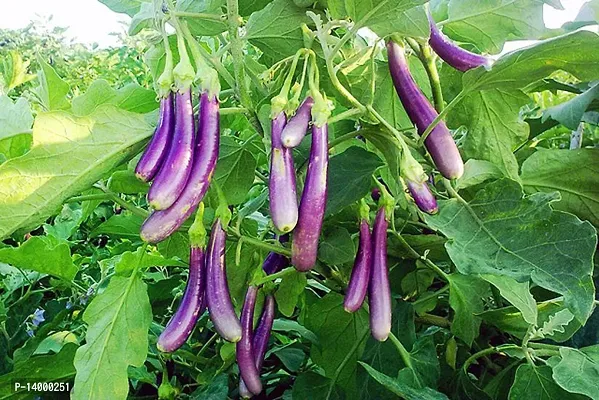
[180, 161]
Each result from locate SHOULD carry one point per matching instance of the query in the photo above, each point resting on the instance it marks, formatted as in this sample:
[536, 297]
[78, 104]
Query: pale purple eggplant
[261, 338]
[176, 167]
[218, 298]
[439, 143]
[275, 262]
[453, 54]
[282, 191]
[245, 353]
[160, 224]
[183, 321]
[379, 292]
[154, 154]
[360, 275]
[295, 130]
[304, 247]
[423, 197]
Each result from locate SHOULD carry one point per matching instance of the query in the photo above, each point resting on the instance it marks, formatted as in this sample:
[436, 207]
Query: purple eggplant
[261, 338]
[423, 197]
[172, 177]
[379, 292]
[296, 128]
[360, 276]
[154, 154]
[304, 247]
[163, 223]
[245, 353]
[453, 54]
[439, 143]
[282, 192]
[275, 262]
[183, 321]
[220, 306]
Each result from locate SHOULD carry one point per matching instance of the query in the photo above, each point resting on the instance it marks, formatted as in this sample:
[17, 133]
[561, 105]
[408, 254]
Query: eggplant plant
[297, 199]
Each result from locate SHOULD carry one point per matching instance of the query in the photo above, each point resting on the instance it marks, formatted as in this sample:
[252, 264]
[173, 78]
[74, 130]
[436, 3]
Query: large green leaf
[578, 371]
[517, 69]
[517, 293]
[276, 29]
[501, 19]
[349, 180]
[52, 90]
[68, 155]
[43, 254]
[384, 17]
[466, 294]
[120, 225]
[13, 72]
[289, 292]
[117, 336]
[340, 334]
[495, 128]
[536, 383]
[570, 112]
[129, 7]
[574, 173]
[43, 368]
[132, 98]
[203, 26]
[235, 170]
[500, 232]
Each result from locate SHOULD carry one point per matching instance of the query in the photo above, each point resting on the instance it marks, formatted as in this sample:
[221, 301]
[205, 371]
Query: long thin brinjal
[439, 143]
[176, 167]
[304, 247]
[154, 154]
[220, 306]
[183, 321]
[453, 54]
[360, 275]
[379, 292]
[297, 127]
[282, 191]
[261, 338]
[423, 197]
[245, 353]
[163, 223]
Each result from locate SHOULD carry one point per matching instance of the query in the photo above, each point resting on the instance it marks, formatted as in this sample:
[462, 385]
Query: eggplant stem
[237, 53]
[213, 17]
[403, 353]
[349, 354]
[442, 274]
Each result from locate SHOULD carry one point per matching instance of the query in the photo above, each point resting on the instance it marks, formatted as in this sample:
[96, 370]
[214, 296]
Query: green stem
[346, 359]
[440, 117]
[237, 53]
[435, 320]
[275, 276]
[417, 255]
[233, 110]
[344, 115]
[88, 197]
[403, 353]
[431, 296]
[134, 210]
[544, 346]
[343, 138]
[475, 356]
[404, 140]
[207, 344]
[258, 243]
[213, 17]
[428, 60]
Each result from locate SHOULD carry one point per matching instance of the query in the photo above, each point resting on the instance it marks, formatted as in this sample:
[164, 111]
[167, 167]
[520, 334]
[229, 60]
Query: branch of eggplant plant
[428, 60]
[234, 22]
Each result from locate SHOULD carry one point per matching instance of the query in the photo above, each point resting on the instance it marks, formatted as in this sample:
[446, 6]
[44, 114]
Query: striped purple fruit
[297, 127]
[360, 276]
[379, 292]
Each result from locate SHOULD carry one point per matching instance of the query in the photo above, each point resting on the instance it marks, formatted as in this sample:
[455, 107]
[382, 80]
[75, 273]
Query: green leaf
[15, 118]
[384, 17]
[132, 98]
[276, 29]
[477, 172]
[312, 386]
[176, 245]
[126, 262]
[289, 291]
[502, 233]
[52, 90]
[517, 69]
[340, 334]
[466, 295]
[127, 183]
[117, 336]
[570, 112]
[144, 18]
[495, 128]
[129, 7]
[13, 72]
[337, 247]
[536, 383]
[578, 371]
[510, 320]
[401, 389]
[517, 293]
[43, 368]
[501, 19]
[235, 170]
[43, 254]
[573, 173]
[203, 26]
[217, 389]
[349, 180]
[55, 342]
[121, 225]
[68, 155]
[556, 323]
